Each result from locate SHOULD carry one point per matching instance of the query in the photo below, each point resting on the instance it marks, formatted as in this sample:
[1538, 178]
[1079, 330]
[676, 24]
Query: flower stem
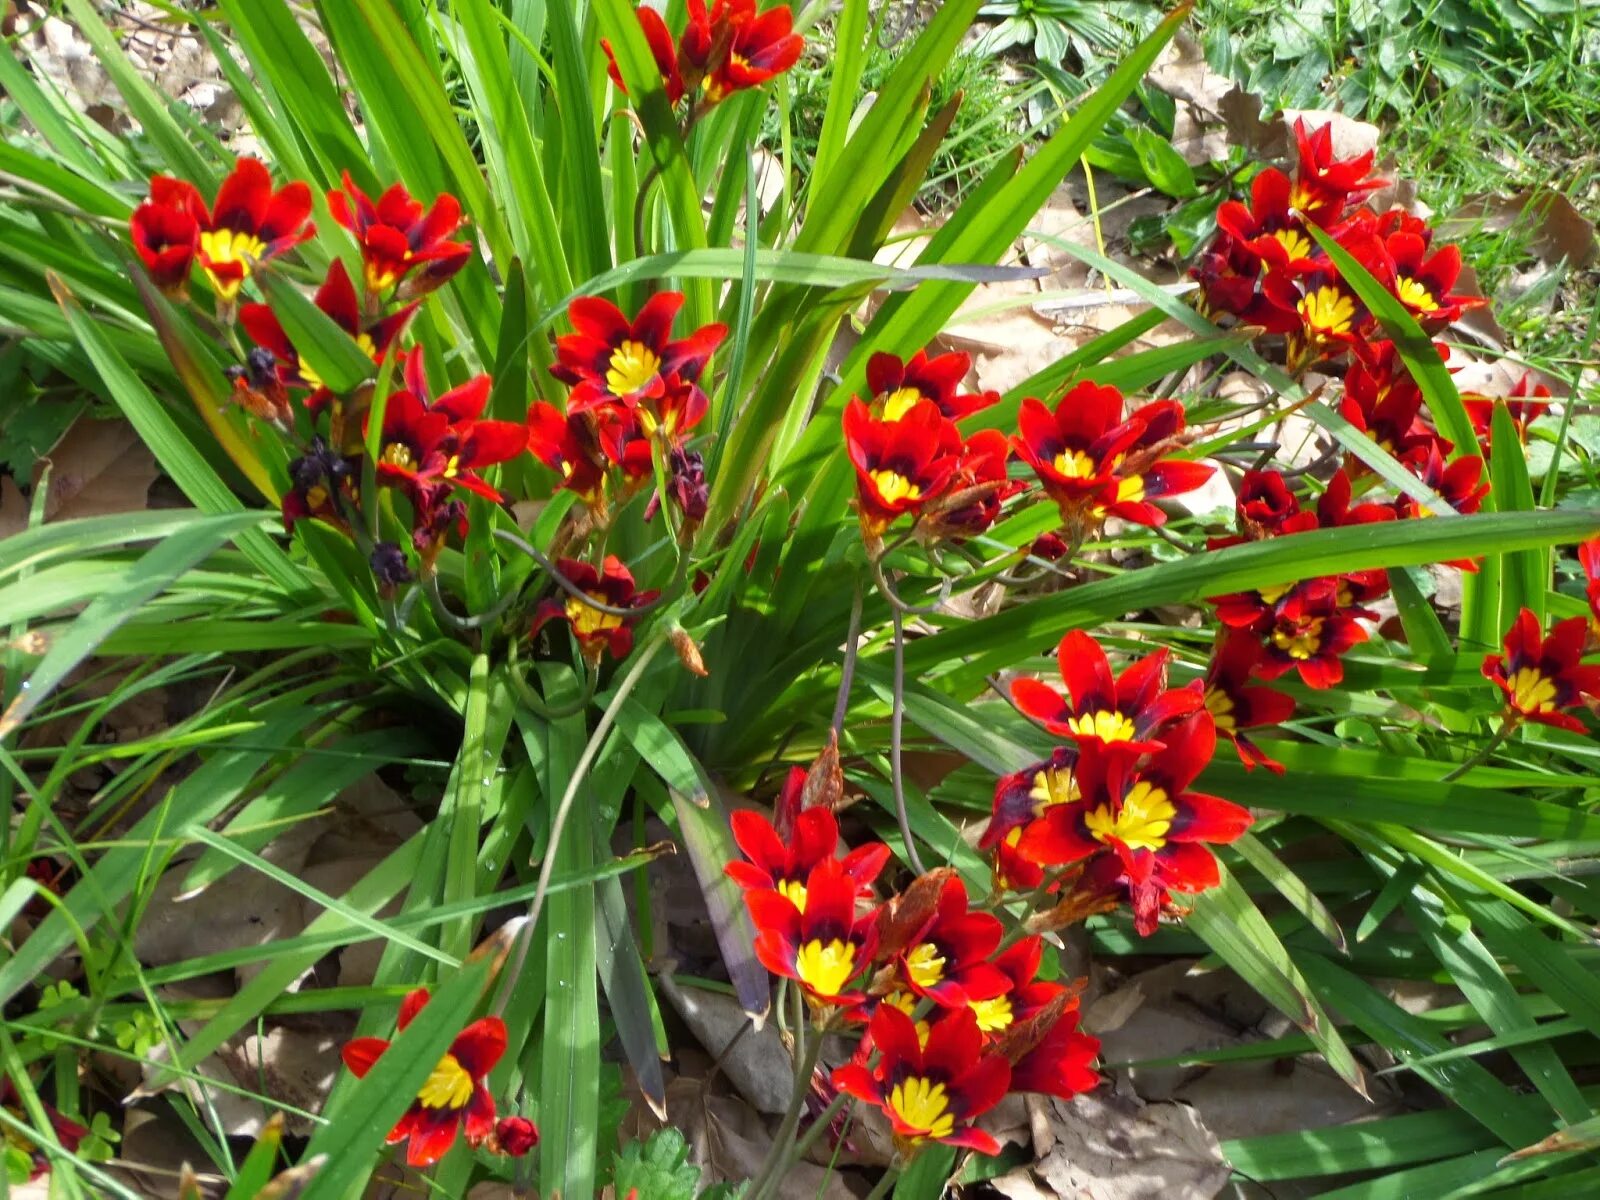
[1508, 725]
[896, 723]
[847, 672]
[805, 1068]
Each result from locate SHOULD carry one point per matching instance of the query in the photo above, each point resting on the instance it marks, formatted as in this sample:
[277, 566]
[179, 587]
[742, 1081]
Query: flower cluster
[1110, 814]
[953, 1017]
[455, 1099]
[911, 459]
[723, 50]
[1541, 674]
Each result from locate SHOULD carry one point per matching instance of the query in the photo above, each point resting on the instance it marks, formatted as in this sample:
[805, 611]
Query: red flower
[1309, 632]
[1385, 403]
[932, 1092]
[1589, 560]
[733, 47]
[1026, 995]
[980, 486]
[1422, 282]
[455, 1097]
[897, 386]
[444, 442]
[166, 233]
[249, 224]
[1095, 464]
[1324, 185]
[1061, 1063]
[1264, 504]
[569, 444]
[397, 237]
[596, 631]
[826, 947]
[1019, 800]
[337, 298]
[1460, 483]
[1328, 317]
[1146, 817]
[661, 48]
[1128, 711]
[946, 961]
[1268, 230]
[783, 865]
[900, 465]
[1526, 401]
[1542, 675]
[609, 358]
[1235, 704]
[516, 1136]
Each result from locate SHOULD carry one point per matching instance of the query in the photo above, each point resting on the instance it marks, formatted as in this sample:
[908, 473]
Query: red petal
[412, 1005]
[1040, 701]
[479, 1046]
[360, 1054]
[755, 836]
[1086, 672]
[433, 1135]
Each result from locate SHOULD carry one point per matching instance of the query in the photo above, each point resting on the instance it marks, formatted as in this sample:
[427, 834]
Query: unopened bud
[688, 652]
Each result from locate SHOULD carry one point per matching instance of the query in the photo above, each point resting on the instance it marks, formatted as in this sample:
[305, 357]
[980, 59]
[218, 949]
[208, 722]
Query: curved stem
[847, 673]
[815, 1129]
[579, 773]
[640, 203]
[577, 593]
[896, 723]
[893, 597]
[532, 699]
[1508, 726]
[450, 618]
[805, 1068]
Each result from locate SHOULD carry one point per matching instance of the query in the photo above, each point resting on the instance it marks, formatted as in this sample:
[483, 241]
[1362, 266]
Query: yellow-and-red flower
[597, 631]
[977, 490]
[1422, 281]
[609, 359]
[1325, 186]
[1235, 704]
[398, 237]
[1459, 483]
[1383, 401]
[455, 1100]
[337, 298]
[1026, 993]
[1310, 631]
[827, 947]
[732, 47]
[1541, 675]
[444, 441]
[933, 1091]
[1528, 399]
[249, 224]
[901, 465]
[570, 445]
[898, 384]
[662, 49]
[1020, 799]
[783, 865]
[1267, 229]
[166, 233]
[1094, 463]
[1126, 711]
[946, 960]
[1143, 814]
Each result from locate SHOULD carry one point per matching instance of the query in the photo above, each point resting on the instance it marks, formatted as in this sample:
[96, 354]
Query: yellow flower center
[923, 1104]
[993, 1015]
[1302, 641]
[1140, 822]
[826, 968]
[794, 891]
[1051, 786]
[1413, 295]
[225, 246]
[1295, 242]
[313, 380]
[316, 497]
[1328, 310]
[633, 365]
[1220, 705]
[925, 965]
[452, 466]
[1131, 489]
[448, 1087]
[1109, 726]
[588, 620]
[893, 487]
[1074, 464]
[1532, 692]
[1272, 593]
[398, 454]
[897, 404]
